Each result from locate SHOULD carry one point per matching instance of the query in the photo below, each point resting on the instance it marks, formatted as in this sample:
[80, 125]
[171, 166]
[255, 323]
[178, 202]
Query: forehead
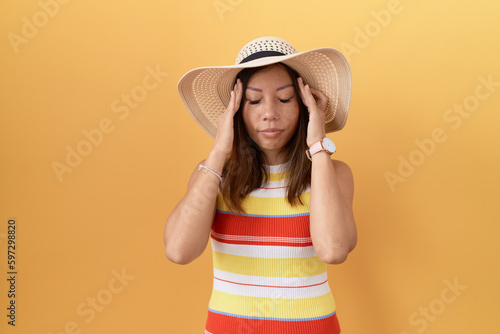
[273, 75]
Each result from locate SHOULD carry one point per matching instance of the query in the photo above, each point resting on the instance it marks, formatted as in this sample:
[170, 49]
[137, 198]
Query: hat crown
[265, 44]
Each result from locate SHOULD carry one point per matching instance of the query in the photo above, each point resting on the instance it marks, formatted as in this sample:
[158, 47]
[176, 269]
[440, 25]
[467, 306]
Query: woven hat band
[261, 54]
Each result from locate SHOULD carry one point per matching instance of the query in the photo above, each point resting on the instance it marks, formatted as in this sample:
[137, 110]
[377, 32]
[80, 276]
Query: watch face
[329, 145]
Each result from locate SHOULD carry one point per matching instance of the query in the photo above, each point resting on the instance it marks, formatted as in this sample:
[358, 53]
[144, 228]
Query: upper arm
[345, 180]
[192, 180]
[189, 202]
[194, 175]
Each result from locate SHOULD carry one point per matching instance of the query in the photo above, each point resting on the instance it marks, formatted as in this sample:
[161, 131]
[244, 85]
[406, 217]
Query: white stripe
[272, 189]
[275, 184]
[268, 252]
[231, 237]
[272, 292]
[273, 169]
[272, 281]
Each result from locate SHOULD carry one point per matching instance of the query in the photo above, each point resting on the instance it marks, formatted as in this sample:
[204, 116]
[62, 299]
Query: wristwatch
[325, 144]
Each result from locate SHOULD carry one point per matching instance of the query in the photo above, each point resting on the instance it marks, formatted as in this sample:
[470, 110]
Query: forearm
[188, 227]
[333, 231]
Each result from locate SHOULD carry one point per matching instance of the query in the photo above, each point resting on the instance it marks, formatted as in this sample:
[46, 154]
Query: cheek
[291, 113]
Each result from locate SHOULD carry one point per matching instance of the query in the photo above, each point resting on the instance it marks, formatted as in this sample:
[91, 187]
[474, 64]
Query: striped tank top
[267, 277]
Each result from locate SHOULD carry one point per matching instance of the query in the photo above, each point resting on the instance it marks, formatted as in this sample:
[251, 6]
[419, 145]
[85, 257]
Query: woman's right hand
[225, 129]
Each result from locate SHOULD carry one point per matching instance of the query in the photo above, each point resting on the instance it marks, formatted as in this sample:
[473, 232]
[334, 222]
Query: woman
[276, 206]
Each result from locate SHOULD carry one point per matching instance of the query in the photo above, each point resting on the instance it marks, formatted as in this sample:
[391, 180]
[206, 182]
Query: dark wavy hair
[244, 169]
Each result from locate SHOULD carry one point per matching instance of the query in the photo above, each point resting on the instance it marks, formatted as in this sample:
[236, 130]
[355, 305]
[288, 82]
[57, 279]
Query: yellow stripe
[277, 206]
[301, 308]
[256, 266]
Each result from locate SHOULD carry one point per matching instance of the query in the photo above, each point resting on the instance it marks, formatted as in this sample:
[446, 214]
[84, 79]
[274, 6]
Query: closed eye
[286, 101]
[254, 101]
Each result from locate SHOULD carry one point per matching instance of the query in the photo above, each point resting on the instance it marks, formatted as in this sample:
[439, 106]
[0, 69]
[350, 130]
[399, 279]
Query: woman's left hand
[315, 101]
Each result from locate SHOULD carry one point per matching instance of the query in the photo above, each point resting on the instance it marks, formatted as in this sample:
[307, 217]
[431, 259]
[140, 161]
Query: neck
[274, 157]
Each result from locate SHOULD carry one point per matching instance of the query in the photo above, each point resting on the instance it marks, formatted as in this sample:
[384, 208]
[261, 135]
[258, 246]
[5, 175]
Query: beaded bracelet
[212, 170]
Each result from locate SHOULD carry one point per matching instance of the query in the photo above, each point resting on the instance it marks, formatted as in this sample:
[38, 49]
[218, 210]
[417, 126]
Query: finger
[238, 95]
[232, 105]
[233, 102]
[318, 94]
[300, 83]
[311, 101]
[321, 98]
[305, 95]
[302, 89]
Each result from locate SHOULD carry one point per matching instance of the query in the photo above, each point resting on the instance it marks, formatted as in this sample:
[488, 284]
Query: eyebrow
[277, 89]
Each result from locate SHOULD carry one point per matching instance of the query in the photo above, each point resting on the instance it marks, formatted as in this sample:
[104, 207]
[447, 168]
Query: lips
[271, 132]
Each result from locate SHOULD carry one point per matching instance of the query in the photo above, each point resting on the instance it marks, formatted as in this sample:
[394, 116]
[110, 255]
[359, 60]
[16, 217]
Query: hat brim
[206, 91]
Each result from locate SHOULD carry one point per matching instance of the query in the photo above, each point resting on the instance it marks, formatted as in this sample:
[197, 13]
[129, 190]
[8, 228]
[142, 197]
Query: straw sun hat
[206, 91]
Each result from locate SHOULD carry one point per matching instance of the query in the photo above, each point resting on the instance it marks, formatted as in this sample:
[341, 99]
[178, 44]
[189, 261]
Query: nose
[269, 111]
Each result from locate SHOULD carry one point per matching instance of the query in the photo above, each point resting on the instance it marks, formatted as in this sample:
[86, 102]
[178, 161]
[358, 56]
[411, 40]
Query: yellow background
[76, 232]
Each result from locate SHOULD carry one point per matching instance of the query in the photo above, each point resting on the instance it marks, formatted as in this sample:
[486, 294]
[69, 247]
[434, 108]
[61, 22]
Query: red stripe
[221, 324]
[295, 227]
[263, 243]
[272, 286]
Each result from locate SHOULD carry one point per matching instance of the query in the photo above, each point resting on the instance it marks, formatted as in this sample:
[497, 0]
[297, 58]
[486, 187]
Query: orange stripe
[222, 323]
[233, 224]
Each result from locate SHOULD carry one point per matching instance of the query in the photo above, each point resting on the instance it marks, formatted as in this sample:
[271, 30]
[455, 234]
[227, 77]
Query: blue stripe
[264, 318]
[261, 216]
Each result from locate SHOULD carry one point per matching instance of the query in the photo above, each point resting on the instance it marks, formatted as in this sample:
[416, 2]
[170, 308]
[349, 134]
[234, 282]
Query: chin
[276, 147]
